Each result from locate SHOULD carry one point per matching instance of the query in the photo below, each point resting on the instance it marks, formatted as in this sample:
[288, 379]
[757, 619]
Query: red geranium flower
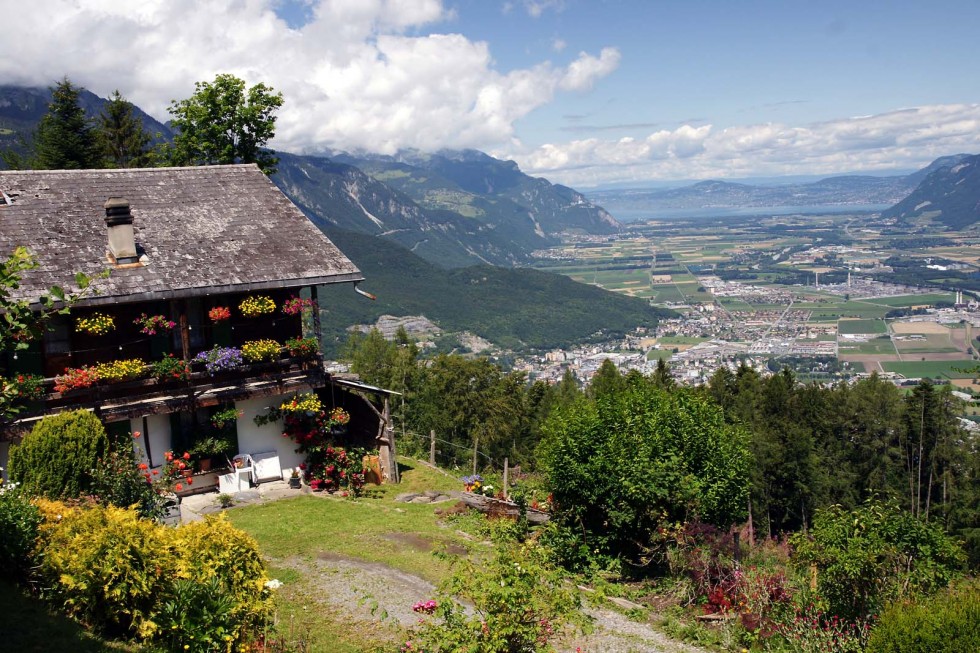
[178, 487]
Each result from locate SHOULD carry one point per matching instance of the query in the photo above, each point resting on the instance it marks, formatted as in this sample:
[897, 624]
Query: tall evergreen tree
[122, 139]
[65, 138]
[606, 381]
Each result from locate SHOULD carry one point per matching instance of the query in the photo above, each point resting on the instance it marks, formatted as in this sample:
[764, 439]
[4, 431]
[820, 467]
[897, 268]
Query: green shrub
[124, 576]
[873, 554]
[108, 569]
[623, 466]
[56, 458]
[198, 617]
[518, 603]
[947, 622]
[214, 549]
[118, 481]
[19, 521]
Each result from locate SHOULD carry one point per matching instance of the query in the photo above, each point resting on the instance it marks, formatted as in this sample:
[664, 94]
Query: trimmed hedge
[56, 459]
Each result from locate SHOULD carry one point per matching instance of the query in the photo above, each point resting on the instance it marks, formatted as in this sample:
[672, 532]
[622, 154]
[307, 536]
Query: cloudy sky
[585, 92]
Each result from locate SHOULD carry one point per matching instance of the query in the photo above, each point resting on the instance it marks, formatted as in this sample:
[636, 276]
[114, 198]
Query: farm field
[953, 369]
[901, 301]
[861, 326]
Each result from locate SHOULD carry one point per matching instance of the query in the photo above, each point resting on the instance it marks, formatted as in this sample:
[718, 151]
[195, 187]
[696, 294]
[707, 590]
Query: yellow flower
[256, 305]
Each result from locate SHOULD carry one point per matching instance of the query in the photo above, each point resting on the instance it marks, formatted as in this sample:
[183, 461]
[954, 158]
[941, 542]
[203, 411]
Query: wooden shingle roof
[203, 230]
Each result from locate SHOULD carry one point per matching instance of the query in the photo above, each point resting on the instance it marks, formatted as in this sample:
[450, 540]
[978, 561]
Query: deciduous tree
[225, 122]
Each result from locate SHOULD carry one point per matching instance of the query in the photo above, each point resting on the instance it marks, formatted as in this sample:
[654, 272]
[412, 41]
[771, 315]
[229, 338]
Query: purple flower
[220, 358]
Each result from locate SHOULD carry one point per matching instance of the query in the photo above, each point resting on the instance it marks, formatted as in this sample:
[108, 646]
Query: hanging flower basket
[219, 314]
[297, 305]
[305, 402]
[257, 305]
[153, 324]
[97, 324]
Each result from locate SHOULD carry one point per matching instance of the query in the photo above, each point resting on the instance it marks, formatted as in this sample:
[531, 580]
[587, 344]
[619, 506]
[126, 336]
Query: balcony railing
[142, 396]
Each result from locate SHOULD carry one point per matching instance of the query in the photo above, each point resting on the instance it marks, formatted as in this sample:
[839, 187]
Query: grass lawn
[659, 354]
[373, 528]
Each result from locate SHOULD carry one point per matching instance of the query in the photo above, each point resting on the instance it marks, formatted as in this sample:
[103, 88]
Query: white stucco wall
[254, 439]
[158, 432]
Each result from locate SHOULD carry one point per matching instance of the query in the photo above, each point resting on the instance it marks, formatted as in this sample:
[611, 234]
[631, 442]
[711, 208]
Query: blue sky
[586, 92]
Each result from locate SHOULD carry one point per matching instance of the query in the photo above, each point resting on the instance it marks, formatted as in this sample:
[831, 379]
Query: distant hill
[477, 184]
[517, 308]
[21, 109]
[950, 194]
[334, 193]
[832, 191]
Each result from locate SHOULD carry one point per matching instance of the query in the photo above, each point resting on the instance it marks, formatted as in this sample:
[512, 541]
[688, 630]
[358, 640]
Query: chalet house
[194, 257]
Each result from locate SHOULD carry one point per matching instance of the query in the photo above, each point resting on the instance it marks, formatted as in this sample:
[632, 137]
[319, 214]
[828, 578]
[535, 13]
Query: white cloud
[535, 8]
[904, 138]
[584, 71]
[361, 74]
[558, 45]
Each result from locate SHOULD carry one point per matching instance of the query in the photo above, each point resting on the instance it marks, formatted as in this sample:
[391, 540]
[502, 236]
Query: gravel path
[370, 592]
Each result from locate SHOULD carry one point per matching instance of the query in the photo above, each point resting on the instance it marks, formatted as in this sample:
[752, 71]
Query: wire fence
[417, 445]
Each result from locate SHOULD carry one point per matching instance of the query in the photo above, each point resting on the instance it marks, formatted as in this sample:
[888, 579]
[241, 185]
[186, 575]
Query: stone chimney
[122, 241]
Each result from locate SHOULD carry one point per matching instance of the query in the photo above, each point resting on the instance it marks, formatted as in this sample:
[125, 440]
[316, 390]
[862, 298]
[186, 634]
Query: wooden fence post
[432, 447]
[476, 444]
[506, 491]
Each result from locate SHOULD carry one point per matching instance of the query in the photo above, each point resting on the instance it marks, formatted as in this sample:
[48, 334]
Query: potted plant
[218, 359]
[208, 448]
[259, 351]
[171, 368]
[294, 480]
[302, 347]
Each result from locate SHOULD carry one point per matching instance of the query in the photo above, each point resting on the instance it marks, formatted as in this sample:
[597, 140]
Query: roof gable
[203, 230]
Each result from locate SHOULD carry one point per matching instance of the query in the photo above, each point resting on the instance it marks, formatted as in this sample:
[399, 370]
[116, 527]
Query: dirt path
[381, 597]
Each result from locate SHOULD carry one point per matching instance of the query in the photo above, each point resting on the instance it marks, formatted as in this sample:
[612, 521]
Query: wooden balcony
[138, 397]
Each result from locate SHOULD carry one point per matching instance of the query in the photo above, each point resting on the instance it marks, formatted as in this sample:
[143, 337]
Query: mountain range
[451, 208]
[832, 191]
[949, 195]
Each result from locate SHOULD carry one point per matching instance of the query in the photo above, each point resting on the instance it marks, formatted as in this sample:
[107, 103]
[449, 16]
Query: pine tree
[124, 142]
[65, 139]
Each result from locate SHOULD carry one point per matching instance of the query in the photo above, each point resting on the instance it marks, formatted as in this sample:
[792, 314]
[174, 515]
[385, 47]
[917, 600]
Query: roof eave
[204, 291]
